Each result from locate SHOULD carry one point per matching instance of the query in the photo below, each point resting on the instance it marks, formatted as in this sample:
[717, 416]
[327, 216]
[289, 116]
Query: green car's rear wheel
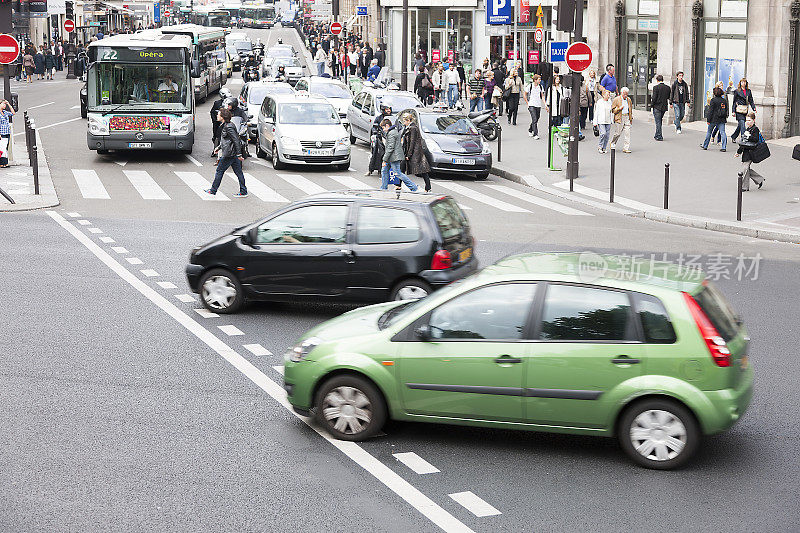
[350, 408]
[658, 434]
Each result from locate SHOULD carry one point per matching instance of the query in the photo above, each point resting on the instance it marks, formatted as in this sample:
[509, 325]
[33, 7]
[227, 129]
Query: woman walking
[751, 137]
[49, 64]
[534, 97]
[514, 85]
[742, 102]
[555, 93]
[603, 120]
[38, 60]
[29, 65]
[716, 117]
[423, 85]
[393, 156]
[594, 94]
[416, 162]
[490, 85]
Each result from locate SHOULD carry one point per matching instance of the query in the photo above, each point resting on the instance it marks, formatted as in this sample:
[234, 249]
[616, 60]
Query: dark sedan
[364, 246]
[453, 145]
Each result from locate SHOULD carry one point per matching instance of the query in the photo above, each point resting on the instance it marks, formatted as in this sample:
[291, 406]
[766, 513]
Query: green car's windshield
[408, 308]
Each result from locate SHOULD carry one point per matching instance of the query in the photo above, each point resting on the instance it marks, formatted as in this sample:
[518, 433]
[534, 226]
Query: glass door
[641, 67]
[438, 42]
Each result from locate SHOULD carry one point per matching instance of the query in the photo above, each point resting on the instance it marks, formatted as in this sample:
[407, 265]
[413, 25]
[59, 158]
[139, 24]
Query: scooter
[251, 74]
[486, 121]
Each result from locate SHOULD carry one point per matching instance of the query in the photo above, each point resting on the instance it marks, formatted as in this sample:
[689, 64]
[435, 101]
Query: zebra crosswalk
[281, 188]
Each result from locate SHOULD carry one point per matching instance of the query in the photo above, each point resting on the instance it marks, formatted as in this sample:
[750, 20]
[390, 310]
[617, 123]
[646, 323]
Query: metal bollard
[613, 167]
[32, 143]
[666, 185]
[499, 142]
[739, 197]
[35, 151]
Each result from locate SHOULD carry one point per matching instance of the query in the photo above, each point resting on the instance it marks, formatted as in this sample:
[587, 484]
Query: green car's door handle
[504, 359]
[624, 359]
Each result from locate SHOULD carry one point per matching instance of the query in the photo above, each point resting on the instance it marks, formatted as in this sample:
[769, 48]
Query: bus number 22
[109, 55]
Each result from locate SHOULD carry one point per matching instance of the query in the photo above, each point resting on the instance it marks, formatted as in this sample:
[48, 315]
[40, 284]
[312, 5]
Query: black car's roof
[384, 195]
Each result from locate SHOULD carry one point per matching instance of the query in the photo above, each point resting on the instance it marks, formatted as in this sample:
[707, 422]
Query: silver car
[291, 67]
[301, 129]
[336, 92]
[252, 96]
[367, 105]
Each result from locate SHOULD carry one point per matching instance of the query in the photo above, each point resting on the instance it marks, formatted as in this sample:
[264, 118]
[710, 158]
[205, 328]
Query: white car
[252, 96]
[335, 91]
[301, 129]
[291, 66]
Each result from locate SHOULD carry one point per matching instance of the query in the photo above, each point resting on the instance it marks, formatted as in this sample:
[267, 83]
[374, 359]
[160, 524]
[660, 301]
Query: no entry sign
[579, 57]
[336, 28]
[69, 25]
[9, 49]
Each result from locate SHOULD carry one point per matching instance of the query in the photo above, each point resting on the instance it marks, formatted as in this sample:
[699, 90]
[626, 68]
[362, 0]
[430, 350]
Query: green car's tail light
[716, 345]
[441, 260]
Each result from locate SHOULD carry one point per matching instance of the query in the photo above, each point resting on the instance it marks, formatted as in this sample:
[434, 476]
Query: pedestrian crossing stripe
[146, 186]
[480, 197]
[90, 185]
[351, 182]
[198, 184]
[305, 185]
[258, 189]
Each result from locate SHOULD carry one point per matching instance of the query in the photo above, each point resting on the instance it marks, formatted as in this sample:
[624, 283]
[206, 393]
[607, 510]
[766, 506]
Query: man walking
[230, 151]
[622, 109]
[476, 88]
[533, 97]
[660, 103]
[453, 80]
[320, 58]
[392, 156]
[679, 97]
[608, 81]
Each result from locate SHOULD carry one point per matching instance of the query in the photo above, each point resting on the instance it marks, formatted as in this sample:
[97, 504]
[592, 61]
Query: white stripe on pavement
[205, 313]
[258, 162]
[416, 463]
[185, 298]
[149, 272]
[107, 240]
[603, 195]
[278, 369]
[257, 188]
[134, 260]
[525, 197]
[413, 496]
[256, 349]
[351, 183]
[474, 504]
[95, 230]
[199, 184]
[480, 197]
[84, 222]
[307, 186]
[39, 128]
[41, 105]
[167, 285]
[89, 184]
[146, 186]
[230, 330]
[74, 215]
[120, 249]
[193, 160]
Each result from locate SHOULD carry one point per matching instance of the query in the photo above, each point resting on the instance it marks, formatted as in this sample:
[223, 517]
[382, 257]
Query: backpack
[426, 82]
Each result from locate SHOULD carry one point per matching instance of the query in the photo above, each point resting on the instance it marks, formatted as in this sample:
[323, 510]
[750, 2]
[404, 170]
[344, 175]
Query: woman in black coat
[742, 101]
[423, 85]
[49, 63]
[416, 162]
[38, 62]
[751, 137]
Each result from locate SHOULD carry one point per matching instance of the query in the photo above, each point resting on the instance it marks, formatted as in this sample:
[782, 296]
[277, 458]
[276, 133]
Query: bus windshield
[219, 18]
[133, 86]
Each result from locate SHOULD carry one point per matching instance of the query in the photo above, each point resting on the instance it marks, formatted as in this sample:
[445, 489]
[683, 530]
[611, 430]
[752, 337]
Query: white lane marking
[199, 184]
[462, 206]
[84, 222]
[603, 195]
[107, 240]
[480, 197]
[230, 330]
[76, 107]
[307, 186]
[120, 249]
[74, 215]
[185, 298]
[134, 260]
[235, 81]
[256, 349]
[193, 160]
[121, 163]
[40, 128]
[166, 285]
[95, 230]
[205, 313]
[278, 369]
[474, 504]
[525, 197]
[145, 185]
[258, 162]
[89, 184]
[42, 105]
[258, 189]
[427, 507]
[416, 463]
[351, 183]
[149, 272]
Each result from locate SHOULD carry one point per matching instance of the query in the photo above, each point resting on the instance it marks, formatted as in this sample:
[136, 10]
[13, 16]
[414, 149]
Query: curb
[667, 217]
[47, 192]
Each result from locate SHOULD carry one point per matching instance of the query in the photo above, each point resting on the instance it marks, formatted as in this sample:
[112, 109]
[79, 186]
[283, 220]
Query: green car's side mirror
[423, 332]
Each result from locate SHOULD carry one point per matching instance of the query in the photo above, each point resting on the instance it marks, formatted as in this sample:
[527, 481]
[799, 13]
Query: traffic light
[566, 15]
[70, 13]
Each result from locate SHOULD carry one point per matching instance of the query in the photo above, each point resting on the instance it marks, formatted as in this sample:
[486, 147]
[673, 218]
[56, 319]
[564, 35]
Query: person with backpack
[534, 97]
[230, 152]
[716, 116]
[423, 86]
[392, 158]
[751, 138]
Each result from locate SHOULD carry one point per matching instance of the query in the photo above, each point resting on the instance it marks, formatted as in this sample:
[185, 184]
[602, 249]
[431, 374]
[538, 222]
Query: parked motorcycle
[486, 122]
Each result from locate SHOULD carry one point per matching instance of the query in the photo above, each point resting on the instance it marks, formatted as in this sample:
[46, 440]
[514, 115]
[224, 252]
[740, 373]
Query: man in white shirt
[320, 58]
[453, 80]
[533, 96]
[168, 85]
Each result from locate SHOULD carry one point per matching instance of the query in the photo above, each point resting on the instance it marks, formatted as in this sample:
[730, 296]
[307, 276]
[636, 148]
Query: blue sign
[157, 12]
[558, 51]
[499, 12]
[361, 11]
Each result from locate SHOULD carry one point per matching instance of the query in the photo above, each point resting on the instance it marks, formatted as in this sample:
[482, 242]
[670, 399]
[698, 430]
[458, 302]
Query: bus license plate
[462, 161]
[465, 255]
[140, 145]
[318, 152]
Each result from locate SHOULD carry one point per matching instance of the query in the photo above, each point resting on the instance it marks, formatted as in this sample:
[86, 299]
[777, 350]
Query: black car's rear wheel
[411, 289]
[350, 407]
[220, 291]
[658, 434]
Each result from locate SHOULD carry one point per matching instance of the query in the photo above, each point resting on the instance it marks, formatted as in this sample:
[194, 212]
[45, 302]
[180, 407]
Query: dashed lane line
[74, 215]
[107, 240]
[83, 222]
[134, 260]
[413, 496]
[230, 330]
[41, 105]
[256, 349]
[205, 313]
[120, 249]
[474, 504]
[166, 285]
[185, 298]
[95, 230]
[415, 463]
[149, 273]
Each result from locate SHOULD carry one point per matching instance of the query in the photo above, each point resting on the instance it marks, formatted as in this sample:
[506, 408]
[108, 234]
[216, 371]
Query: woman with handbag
[742, 102]
[513, 88]
[555, 94]
[490, 87]
[753, 149]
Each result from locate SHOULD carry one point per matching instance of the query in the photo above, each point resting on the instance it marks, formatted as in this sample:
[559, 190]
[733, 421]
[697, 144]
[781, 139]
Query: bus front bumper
[129, 142]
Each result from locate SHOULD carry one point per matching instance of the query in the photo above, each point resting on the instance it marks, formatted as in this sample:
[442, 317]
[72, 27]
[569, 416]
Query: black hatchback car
[348, 246]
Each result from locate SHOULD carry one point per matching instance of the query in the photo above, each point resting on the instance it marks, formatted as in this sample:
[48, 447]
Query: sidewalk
[703, 184]
[17, 179]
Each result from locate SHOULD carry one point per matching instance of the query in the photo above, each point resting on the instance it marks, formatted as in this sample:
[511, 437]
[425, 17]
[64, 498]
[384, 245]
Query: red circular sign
[69, 25]
[579, 57]
[336, 28]
[9, 49]
[167, 13]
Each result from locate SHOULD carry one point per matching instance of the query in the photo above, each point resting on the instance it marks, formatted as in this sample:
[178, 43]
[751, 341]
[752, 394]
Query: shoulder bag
[796, 152]
[759, 153]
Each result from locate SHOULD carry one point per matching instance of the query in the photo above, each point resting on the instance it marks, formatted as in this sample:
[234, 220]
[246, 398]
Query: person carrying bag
[752, 149]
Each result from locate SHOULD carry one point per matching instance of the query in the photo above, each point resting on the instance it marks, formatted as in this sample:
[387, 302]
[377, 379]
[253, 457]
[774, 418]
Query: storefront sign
[361, 11]
[37, 8]
[497, 31]
[436, 55]
[511, 54]
[499, 12]
[648, 24]
[524, 11]
[57, 7]
[451, 56]
[533, 57]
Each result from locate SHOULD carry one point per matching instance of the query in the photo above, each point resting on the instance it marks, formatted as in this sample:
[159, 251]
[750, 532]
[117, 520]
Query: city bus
[139, 93]
[220, 18]
[208, 56]
[258, 16]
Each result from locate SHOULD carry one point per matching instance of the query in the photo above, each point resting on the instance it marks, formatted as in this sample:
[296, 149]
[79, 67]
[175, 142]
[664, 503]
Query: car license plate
[463, 161]
[465, 255]
[318, 152]
[140, 145]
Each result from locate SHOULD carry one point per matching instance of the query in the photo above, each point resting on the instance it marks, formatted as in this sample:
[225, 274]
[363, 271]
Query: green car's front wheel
[659, 434]
[350, 407]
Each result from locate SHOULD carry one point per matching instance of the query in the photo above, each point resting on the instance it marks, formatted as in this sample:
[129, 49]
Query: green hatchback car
[557, 342]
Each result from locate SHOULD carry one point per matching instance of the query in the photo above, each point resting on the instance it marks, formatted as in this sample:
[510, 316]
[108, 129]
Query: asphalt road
[117, 414]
